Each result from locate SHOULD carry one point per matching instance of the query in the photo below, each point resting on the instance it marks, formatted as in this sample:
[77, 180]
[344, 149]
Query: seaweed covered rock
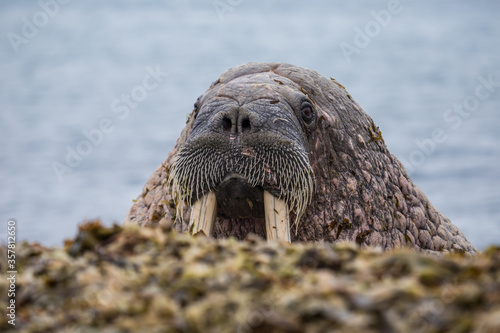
[131, 279]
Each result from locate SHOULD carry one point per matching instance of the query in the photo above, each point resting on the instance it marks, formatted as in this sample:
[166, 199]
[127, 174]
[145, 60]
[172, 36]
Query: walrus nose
[237, 122]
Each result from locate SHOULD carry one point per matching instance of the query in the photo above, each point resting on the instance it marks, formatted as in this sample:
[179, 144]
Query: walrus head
[270, 145]
[248, 149]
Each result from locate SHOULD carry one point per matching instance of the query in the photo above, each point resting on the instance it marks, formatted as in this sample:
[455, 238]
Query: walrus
[284, 153]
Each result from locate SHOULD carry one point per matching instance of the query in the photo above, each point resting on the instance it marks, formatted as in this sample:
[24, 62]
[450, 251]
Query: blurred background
[94, 93]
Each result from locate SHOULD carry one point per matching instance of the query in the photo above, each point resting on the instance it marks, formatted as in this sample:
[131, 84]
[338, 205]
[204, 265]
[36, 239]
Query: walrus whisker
[191, 177]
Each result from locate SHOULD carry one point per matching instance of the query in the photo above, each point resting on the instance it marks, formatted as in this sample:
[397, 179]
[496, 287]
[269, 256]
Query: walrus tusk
[277, 218]
[203, 214]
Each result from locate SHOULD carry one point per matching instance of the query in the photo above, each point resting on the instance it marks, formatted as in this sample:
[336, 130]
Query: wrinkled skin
[361, 192]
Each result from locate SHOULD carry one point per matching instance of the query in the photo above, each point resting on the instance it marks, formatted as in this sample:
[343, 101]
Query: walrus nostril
[245, 125]
[226, 124]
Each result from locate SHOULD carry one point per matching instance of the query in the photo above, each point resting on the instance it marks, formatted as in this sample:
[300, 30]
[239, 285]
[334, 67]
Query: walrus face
[247, 154]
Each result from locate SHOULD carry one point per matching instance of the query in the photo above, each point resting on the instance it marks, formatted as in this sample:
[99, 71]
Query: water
[66, 76]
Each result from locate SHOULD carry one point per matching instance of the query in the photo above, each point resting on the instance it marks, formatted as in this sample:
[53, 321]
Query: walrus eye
[196, 107]
[307, 113]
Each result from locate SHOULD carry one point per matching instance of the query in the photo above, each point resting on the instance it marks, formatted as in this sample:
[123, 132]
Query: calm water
[65, 68]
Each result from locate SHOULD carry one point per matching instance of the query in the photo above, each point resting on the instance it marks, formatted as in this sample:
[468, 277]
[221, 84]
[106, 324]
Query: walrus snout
[238, 121]
[246, 158]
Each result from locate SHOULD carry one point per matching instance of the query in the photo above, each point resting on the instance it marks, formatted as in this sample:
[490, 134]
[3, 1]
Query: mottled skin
[362, 193]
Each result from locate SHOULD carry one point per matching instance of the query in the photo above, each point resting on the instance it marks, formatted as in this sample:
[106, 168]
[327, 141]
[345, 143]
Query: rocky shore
[130, 279]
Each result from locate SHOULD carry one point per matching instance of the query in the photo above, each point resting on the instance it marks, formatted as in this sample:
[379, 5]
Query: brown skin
[362, 193]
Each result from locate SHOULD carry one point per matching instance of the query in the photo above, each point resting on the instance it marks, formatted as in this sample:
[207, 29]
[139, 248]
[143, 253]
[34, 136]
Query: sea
[93, 95]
